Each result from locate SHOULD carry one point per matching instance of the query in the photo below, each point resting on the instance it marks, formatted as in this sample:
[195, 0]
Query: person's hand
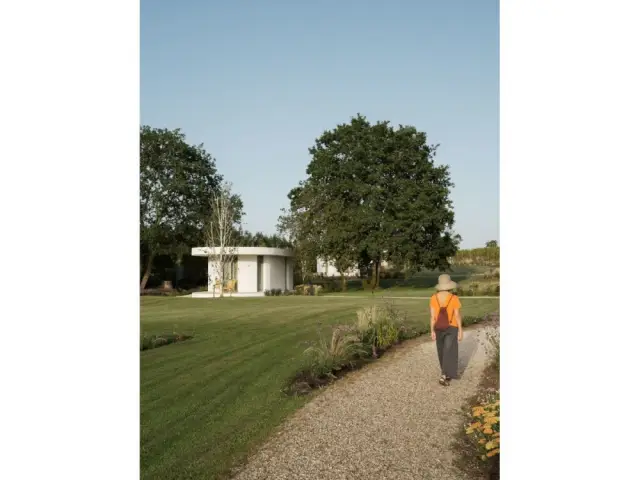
[459, 335]
[433, 335]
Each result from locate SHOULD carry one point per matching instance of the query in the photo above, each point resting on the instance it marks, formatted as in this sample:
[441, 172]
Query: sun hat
[445, 283]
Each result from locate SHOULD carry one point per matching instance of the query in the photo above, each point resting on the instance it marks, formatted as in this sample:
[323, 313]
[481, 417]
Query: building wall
[274, 272]
[247, 273]
[289, 273]
[328, 269]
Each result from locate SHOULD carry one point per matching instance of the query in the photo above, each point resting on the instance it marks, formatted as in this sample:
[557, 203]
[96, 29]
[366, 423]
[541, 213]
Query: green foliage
[259, 239]
[379, 326]
[312, 289]
[148, 342]
[479, 290]
[176, 184]
[492, 244]
[274, 292]
[488, 256]
[374, 193]
[328, 357]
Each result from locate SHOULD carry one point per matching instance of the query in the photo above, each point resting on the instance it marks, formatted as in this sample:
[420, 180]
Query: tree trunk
[344, 282]
[147, 272]
[221, 268]
[376, 275]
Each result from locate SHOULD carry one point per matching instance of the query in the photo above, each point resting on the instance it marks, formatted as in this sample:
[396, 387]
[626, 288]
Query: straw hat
[445, 283]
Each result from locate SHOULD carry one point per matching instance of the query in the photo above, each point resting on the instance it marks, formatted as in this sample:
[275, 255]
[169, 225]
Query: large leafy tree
[305, 248]
[177, 181]
[374, 193]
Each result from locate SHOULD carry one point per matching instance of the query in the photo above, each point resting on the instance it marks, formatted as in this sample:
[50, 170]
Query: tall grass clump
[328, 357]
[379, 327]
[375, 329]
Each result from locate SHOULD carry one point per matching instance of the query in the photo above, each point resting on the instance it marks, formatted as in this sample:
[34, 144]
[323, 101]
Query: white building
[255, 269]
[328, 269]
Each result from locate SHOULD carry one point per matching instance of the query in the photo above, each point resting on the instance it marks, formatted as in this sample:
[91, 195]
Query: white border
[569, 157]
[69, 119]
[69, 354]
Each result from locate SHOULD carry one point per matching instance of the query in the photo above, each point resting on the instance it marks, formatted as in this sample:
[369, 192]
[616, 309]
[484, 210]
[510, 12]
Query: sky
[257, 82]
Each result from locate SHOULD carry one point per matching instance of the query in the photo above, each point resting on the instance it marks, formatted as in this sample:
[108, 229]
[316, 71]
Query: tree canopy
[374, 193]
[177, 181]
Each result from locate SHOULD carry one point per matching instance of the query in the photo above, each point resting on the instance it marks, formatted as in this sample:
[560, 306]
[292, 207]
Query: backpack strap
[450, 298]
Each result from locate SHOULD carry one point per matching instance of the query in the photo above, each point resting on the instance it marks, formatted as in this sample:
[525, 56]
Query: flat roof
[264, 251]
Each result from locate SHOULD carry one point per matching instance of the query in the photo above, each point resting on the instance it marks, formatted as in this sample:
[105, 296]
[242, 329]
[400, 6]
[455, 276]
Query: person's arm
[433, 318]
[459, 322]
[433, 312]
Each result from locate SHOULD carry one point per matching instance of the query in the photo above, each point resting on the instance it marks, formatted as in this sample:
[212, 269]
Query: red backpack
[442, 320]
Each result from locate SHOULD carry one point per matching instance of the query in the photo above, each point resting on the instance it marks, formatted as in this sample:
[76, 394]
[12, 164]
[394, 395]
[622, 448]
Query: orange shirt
[453, 304]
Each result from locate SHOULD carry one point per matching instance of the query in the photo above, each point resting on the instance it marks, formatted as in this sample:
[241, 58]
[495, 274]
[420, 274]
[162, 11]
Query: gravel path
[391, 420]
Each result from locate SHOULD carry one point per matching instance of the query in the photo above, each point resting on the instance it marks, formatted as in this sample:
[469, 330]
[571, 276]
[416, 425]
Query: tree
[176, 183]
[374, 193]
[221, 233]
[305, 249]
[492, 244]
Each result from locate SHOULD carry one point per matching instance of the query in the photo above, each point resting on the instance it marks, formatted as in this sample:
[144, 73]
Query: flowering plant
[484, 427]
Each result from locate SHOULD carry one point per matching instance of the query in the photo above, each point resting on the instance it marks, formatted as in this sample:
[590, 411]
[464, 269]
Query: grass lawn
[205, 402]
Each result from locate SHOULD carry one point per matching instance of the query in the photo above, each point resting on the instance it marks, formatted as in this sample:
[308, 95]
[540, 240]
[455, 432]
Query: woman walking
[446, 327]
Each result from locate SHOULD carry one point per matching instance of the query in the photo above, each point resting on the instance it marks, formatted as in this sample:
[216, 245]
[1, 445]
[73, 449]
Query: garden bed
[376, 332]
[478, 440]
[156, 341]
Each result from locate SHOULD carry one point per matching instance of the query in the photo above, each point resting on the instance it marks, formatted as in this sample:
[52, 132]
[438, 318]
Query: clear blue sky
[258, 81]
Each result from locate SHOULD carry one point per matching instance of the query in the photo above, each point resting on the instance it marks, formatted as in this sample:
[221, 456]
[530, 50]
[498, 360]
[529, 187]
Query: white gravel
[391, 420]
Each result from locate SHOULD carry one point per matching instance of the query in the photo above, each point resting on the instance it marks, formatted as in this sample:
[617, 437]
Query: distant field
[207, 401]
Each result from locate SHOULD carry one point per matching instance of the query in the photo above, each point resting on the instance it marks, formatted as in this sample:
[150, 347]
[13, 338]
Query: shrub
[379, 327]
[484, 427]
[326, 358]
[155, 341]
[308, 290]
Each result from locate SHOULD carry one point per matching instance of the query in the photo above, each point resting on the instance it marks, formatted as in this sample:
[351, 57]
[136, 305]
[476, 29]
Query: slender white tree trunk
[220, 234]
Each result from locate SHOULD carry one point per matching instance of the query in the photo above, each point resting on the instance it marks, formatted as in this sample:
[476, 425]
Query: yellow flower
[490, 445]
[493, 452]
[492, 420]
[482, 441]
[487, 431]
[478, 411]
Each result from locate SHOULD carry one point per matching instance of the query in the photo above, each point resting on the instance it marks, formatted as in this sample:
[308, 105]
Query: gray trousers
[447, 345]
